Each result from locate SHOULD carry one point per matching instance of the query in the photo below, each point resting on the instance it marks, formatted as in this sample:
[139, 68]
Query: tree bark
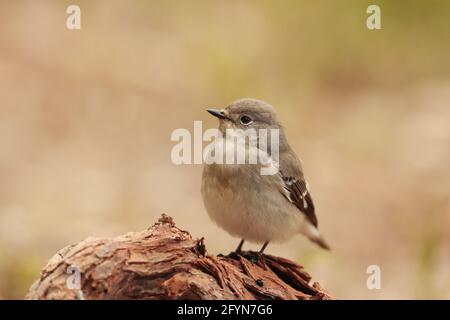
[165, 262]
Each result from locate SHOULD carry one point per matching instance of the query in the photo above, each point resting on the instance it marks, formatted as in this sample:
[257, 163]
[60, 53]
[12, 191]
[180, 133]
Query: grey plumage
[257, 207]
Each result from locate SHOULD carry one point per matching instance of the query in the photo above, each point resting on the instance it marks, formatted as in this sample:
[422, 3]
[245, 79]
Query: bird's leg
[249, 255]
[236, 253]
[263, 247]
[254, 257]
[239, 248]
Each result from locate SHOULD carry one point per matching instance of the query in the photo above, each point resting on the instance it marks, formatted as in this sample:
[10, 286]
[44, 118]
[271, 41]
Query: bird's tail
[320, 241]
[315, 236]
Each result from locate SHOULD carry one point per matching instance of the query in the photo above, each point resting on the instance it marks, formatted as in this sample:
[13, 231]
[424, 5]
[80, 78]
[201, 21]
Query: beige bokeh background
[86, 118]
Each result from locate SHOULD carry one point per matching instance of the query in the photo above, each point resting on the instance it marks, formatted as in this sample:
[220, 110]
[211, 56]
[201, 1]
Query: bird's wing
[295, 186]
[298, 194]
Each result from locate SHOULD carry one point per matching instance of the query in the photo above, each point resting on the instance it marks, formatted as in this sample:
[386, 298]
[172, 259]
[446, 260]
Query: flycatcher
[255, 207]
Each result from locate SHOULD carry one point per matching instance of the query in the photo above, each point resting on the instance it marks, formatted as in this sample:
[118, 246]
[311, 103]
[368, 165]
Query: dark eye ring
[246, 120]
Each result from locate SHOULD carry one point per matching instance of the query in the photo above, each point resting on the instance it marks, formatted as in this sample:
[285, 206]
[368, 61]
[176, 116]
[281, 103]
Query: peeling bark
[164, 262]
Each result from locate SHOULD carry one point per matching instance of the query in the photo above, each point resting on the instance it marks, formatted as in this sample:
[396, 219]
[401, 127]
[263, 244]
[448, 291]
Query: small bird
[255, 207]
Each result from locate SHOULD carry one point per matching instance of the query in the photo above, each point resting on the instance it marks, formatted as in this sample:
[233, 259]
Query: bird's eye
[246, 120]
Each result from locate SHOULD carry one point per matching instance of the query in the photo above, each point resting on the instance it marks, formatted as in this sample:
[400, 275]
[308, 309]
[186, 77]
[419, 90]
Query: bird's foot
[253, 257]
[234, 255]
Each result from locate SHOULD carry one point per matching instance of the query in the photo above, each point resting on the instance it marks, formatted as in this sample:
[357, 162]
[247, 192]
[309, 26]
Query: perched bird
[255, 207]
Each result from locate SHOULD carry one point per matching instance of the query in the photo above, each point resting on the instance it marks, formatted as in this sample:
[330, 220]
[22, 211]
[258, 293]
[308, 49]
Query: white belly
[248, 205]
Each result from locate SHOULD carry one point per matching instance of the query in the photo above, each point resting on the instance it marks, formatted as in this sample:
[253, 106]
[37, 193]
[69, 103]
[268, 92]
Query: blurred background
[86, 118]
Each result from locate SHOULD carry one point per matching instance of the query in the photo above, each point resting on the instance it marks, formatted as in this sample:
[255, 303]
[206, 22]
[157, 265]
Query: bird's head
[247, 114]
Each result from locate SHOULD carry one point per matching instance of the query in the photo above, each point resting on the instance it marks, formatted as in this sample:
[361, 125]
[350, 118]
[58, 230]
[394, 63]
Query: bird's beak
[218, 113]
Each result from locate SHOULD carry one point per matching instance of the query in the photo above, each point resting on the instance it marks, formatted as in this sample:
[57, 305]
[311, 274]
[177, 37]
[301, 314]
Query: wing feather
[299, 195]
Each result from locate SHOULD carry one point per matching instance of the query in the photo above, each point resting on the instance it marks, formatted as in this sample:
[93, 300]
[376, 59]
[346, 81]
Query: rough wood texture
[164, 262]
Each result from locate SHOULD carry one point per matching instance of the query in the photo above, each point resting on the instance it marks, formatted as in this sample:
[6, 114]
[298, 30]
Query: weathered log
[165, 262]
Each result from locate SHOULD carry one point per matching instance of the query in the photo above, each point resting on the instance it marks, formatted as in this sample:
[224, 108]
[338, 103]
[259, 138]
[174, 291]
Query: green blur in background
[86, 118]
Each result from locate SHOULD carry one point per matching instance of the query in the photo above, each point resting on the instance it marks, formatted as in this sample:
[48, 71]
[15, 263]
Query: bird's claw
[253, 257]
